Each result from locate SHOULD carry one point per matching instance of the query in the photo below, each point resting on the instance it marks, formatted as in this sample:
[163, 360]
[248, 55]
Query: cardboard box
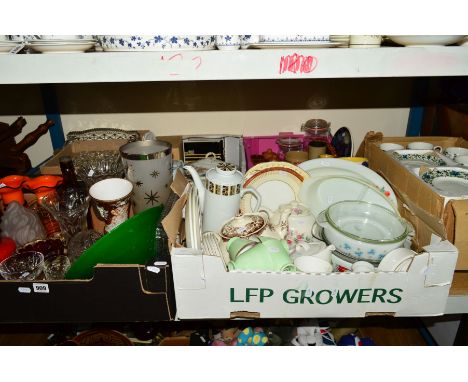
[52, 166]
[205, 289]
[117, 293]
[423, 206]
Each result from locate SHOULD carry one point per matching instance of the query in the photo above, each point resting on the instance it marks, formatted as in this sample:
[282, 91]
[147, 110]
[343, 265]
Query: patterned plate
[276, 182]
[451, 181]
[419, 157]
[102, 134]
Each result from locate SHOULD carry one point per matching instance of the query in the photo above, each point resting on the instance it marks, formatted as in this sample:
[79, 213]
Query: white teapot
[220, 197]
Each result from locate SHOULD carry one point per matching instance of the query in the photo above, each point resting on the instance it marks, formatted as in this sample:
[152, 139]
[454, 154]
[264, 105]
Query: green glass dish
[132, 242]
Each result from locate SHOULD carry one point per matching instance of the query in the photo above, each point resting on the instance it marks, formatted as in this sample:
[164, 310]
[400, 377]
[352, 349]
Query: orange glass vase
[42, 186]
[11, 188]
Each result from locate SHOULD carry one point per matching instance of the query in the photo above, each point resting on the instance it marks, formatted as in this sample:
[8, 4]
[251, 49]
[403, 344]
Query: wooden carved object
[13, 159]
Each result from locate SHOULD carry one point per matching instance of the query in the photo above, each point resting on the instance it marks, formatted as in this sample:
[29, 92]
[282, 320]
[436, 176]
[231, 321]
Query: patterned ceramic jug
[220, 197]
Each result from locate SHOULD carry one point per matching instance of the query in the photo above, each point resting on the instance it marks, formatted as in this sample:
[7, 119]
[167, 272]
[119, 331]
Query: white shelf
[457, 304]
[232, 65]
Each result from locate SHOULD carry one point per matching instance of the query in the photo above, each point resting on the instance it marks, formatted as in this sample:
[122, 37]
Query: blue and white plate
[125, 43]
[449, 181]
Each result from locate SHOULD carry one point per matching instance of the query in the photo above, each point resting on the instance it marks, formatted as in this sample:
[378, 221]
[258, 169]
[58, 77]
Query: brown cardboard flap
[179, 183]
[417, 194]
[457, 217]
[172, 222]
[52, 166]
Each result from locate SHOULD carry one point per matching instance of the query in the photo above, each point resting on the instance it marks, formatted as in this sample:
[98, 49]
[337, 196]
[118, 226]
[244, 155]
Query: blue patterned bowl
[156, 43]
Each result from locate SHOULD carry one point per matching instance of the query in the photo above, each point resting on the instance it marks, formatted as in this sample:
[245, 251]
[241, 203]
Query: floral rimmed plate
[243, 226]
[419, 157]
[276, 182]
[451, 181]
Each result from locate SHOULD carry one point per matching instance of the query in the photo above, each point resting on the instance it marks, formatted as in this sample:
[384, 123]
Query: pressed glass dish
[22, 266]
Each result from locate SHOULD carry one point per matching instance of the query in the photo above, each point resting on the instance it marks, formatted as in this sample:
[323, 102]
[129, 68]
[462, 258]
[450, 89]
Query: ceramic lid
[299, 209]
[145, 150]
[226, 174]
[203, 165]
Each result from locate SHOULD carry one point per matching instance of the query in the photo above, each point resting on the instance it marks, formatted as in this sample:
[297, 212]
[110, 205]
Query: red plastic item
[7, 247]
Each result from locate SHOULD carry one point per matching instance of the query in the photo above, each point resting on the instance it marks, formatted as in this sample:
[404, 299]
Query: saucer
[243, 226]
[450, 181]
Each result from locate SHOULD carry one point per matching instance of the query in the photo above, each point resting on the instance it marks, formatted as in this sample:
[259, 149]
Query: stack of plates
[6, 46]
[294, 41]
[342, 40]
[57, 45]
[193, 220]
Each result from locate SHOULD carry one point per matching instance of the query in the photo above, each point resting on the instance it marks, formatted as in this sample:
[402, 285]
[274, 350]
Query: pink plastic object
[258, 144]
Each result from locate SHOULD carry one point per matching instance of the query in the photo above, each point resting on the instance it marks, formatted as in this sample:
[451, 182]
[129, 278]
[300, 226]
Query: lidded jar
[289, 144]
[316, 130]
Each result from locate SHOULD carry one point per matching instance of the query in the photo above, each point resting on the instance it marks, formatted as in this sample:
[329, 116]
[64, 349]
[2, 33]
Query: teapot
[300, 223]
[277, 226]
[220, 197]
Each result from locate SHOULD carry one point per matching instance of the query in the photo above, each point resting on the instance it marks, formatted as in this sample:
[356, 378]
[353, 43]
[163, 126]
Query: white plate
[286, 45]
[319, 193]
[276, 182]
[189, 218]
[196, 220]
[61, 42]
[61, 47]
[339, 167]
[449, 181]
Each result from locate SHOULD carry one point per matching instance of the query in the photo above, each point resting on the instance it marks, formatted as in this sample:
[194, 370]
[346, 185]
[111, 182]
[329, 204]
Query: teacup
[462, 159]
[268, 255]
[391, 146]
[362, 266]
[237, 245]
[453, 152]
[249, 39]
[423, 146]
[228, 42]
[312, 264]
[111, 201]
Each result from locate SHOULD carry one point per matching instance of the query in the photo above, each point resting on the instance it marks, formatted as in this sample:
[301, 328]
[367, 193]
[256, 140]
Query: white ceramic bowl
[156, 42]
[312, 264]
[416, 40]
[363, 230]
[391, 146]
